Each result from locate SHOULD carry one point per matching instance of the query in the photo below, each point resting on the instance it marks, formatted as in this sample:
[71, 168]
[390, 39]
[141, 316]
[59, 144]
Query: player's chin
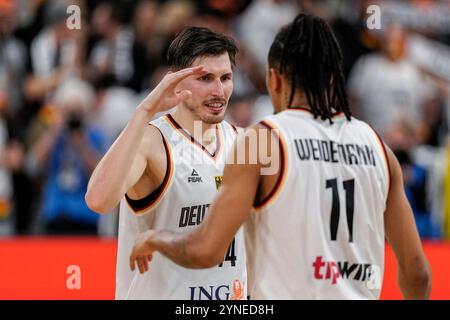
[214, 115]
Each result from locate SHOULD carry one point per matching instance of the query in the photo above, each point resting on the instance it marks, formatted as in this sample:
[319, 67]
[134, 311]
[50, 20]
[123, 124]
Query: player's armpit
[414, 274]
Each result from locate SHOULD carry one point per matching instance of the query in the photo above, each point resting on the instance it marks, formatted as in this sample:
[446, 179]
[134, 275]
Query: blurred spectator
[415, 180]
[145, 29]
[115, 109]
[6, 188]
[402, 138]
[385, 86]
[12, 61]
[118, 58]
[258, 25]
[13, 115]
[67, 153]
[241, 111]
[173, 15]
[248, 110]
[53, 53]
[350, 25]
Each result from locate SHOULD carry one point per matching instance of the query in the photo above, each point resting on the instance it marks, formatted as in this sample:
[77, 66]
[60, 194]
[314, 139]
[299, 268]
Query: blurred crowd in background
[66, 94]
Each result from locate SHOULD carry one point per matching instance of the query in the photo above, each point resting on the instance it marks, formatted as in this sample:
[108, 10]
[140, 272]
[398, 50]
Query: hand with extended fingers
[142, 252]
[165, 96]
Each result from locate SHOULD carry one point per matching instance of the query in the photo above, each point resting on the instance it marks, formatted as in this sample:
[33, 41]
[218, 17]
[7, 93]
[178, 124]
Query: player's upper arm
[146, 165]
[400, 226]
[234, 200]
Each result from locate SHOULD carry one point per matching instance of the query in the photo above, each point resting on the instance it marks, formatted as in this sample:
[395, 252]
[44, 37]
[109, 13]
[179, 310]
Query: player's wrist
[144, 113]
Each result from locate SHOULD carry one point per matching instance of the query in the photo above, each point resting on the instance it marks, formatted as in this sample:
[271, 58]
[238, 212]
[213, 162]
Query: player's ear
[274, 80]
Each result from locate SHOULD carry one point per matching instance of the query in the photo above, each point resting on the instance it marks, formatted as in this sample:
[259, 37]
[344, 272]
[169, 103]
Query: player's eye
[205, 78]
[226, 77]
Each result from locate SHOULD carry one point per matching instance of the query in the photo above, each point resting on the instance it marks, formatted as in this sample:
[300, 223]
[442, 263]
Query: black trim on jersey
[146, 202]
[234, 128]
[260, 203]
[192, 139]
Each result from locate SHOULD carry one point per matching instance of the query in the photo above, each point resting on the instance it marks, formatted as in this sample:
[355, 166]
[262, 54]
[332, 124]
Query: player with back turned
[316, 226]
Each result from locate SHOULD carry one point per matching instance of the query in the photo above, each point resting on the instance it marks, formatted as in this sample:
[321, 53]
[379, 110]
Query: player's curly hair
[307, 52]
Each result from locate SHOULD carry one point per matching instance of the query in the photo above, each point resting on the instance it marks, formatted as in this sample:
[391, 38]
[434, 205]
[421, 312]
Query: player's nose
[217, 89]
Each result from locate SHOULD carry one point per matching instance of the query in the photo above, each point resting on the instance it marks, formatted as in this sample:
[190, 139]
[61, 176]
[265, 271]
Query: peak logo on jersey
[221, 292]
[334, 271]
[218, 180]
[195, 177]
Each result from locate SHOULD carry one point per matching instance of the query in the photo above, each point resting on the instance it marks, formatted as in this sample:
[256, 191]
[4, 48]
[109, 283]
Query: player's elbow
[418, 278]
[96, 203]
[421, 277]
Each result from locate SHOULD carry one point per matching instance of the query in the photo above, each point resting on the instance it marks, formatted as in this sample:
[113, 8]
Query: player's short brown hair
[193, 42]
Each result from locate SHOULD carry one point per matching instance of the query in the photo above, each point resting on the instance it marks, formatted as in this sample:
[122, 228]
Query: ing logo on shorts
[234, 291]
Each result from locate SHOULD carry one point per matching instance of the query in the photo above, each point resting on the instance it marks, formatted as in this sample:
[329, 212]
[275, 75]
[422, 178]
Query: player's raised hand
[165, 96]
[142, 253]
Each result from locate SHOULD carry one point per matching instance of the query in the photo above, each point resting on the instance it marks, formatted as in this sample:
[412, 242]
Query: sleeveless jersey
[192, 179]
[320, 233]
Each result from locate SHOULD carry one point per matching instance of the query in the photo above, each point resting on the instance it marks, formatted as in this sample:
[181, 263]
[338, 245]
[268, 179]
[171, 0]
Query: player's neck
[201, 131]
[299, 101]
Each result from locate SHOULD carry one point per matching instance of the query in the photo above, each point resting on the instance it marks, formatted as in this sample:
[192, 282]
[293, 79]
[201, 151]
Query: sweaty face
[211, 92]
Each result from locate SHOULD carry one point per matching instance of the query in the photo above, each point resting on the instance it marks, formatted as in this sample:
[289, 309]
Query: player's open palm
[166, 96]
[142, 253]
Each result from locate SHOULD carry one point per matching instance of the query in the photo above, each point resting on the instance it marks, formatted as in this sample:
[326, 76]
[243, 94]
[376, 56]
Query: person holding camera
[67, 153]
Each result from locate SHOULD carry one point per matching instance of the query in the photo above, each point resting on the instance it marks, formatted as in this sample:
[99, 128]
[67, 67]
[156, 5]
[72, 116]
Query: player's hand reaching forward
[166, 96]
[142, 252]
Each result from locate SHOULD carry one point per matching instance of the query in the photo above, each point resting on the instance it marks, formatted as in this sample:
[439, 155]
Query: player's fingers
[183, 74]
[132, 264]
[140, 264]
[145, 263]
[183, 95]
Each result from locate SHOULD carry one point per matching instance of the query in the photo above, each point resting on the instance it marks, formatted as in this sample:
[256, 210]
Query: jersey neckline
[304, 109]
[192, 140]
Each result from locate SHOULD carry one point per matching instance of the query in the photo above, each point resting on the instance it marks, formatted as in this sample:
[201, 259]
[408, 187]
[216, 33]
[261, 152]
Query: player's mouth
[215, 106]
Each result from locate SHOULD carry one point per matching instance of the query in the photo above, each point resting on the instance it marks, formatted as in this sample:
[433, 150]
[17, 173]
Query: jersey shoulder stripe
[260, 204]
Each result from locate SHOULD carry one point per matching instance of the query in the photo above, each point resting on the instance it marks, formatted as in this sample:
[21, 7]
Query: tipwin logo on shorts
[195, 177]
[335, 271]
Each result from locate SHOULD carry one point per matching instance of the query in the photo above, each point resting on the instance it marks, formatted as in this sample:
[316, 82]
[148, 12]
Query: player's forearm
[108, 181]
[183, 249]
[415, 285]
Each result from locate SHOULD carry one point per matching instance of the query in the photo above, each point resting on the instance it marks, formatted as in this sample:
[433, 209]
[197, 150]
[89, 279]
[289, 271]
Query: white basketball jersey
[320, 233]
[192, 179]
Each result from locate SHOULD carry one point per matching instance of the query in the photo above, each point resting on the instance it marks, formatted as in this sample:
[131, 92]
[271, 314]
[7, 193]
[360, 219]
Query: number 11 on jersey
[349, 187]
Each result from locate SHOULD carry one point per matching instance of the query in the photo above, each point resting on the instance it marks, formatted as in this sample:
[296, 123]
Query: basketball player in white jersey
[316, 228]
[166, 173]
